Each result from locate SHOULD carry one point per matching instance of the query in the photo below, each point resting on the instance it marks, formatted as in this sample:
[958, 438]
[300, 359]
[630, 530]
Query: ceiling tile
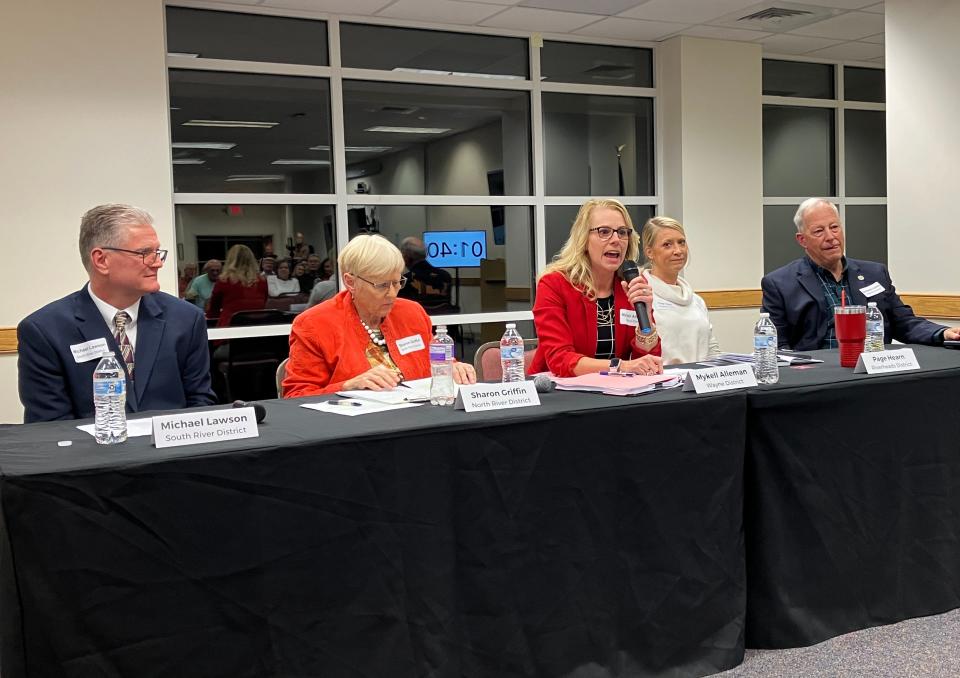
[362, 7]
[442, 11]
[842, 4]
[721, 33]
[856, 51]
[604, 7]
[540, 20]
[849, 26]
[686, 11]
[795, 44]
[875, 39]
[874, 8]
[631, 29]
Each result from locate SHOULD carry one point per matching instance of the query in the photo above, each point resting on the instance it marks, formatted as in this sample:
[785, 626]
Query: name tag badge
[872, 290]
[629, 318]
[89, 350]
[410, 344]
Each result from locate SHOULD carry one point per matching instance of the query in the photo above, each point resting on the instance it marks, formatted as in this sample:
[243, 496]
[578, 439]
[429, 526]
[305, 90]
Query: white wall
[923, 143]
[711, 115]
[85, 122]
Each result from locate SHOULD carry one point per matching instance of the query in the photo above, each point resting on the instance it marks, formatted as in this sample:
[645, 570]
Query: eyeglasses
[384, 286]
[150, 257]
[605, 232]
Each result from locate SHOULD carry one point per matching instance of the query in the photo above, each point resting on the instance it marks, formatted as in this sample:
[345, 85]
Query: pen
[345, 403]
[617, 374]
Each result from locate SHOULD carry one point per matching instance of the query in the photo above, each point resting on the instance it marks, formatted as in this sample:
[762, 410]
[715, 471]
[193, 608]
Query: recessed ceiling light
[255, 177]
[427, 71]
[409, 130]
[356, 149]
[188, 161]
[212, 145]
[287, 161]
[255, 124]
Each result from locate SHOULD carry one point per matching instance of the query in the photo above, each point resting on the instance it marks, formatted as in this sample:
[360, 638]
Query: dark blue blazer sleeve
[40, 376]
[195, 368]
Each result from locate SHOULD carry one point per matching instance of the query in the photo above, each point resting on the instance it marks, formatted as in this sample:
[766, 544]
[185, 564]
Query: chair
[281, 375]
[250, 364]
[486, 361]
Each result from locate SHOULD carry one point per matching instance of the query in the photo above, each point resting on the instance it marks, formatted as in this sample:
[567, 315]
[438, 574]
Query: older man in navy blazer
[801, 295]
[160, 340]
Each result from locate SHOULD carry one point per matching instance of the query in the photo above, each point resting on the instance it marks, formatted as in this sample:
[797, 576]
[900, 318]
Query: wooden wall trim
[928, 305]
[8, 339]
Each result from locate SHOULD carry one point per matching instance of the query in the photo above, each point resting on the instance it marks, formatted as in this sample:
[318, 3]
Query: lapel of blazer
[589, 322]
[150, 327]
[89, 321]
[856, 296]
[811, 283]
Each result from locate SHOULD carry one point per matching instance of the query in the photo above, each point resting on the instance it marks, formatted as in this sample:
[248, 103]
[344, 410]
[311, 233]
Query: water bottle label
[108, 387]
[875, 326]
[511, 353]
[440, 352]
[762, 341]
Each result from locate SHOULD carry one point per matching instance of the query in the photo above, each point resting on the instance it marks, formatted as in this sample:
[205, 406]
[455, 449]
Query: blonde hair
[573, 261]
[650, 231]
[240, 266]
[370, 256]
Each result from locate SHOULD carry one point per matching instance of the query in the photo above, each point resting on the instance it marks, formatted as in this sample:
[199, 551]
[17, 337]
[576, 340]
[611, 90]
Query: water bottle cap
[764, 315]
[441, 328]
[511, 326]
[872, 303]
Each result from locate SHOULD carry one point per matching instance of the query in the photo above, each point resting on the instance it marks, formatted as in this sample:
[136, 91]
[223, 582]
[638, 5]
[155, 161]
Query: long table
[852, 509]
[591, 536]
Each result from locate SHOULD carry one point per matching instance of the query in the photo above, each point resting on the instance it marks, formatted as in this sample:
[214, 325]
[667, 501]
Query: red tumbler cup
[851, 327]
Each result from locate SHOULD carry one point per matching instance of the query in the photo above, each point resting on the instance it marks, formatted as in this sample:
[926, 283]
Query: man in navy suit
[801, 295]
[160, 340]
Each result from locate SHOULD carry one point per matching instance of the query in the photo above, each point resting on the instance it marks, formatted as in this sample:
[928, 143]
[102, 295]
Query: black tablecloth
[852, 511]
[592, 536]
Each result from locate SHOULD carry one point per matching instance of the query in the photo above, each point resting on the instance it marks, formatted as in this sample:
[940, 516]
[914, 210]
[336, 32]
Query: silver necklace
[604, 315]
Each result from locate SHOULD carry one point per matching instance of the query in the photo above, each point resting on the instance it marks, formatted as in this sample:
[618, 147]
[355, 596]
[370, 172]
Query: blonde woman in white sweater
[680, 315]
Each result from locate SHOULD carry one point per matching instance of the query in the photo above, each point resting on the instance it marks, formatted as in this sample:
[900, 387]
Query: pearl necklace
[378, 340]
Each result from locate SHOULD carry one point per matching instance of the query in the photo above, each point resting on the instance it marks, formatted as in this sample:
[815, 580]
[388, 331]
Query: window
[824, 135]
[596, 64]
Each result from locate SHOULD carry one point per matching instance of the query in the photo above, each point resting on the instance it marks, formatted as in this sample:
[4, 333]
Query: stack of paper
[616, 384]
[414, 391]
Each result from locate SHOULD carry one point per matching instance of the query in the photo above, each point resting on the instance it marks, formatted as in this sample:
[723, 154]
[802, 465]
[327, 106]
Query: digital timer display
[455, 249]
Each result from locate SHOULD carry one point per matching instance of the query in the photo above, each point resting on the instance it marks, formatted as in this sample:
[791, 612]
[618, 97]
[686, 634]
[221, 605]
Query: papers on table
[414, 391]
[797, 359]
[135, 427]
[616, 384]
[736, 358]
[355, 407]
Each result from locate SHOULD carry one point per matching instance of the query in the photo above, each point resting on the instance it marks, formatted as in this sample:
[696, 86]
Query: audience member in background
[426, 284]
[364, 337]
[282, 283]
[160, 340]
[678, 314]
[200, 289]
[189, 273]
[268, 252]
[267, 266]
[301, 250]
[306, 278]
[326, 270]
[323, 290]
[240, 288]
[309, 278]
[583, 311]
[801, 295]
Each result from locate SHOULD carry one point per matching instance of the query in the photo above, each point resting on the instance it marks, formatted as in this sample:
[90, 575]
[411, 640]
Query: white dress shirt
[108, 312]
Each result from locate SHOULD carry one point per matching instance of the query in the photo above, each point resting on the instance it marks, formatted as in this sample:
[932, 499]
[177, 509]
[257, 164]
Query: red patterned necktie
[120, 321]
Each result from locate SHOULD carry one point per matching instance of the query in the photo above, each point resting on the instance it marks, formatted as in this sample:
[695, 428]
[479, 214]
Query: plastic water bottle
[765, 351]
[110, 400]
[874, 340]
[511, 354]
[442, 390]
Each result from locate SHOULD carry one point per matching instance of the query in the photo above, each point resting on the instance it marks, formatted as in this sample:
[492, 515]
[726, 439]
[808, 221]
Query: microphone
[543, 383]
[629, 271]
[258, 409]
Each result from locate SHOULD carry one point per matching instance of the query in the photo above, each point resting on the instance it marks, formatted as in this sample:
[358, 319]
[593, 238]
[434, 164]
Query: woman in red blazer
[240, 287]
[584, 312]
[365, 337]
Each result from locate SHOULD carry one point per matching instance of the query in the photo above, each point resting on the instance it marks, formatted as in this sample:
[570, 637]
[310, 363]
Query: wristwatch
[614, 365]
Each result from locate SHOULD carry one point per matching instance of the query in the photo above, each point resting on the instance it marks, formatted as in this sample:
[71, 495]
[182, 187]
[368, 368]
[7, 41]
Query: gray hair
[103, 226]
[808, 205]
[413, 249]
[370, 255]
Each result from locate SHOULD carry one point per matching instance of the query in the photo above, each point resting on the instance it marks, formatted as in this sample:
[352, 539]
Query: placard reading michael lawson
[204, 427]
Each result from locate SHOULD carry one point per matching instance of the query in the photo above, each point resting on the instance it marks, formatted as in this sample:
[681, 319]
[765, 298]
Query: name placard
[723, 378]
[193, 428]
[487, 397]
[884, 362]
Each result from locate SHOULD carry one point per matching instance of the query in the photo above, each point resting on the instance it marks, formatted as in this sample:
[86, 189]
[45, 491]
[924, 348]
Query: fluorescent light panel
[188, 161]
[408, 130]
[254, 124]
[427, 71]
[356, 149]
[255, 177]
[212, 145]
[287, 161]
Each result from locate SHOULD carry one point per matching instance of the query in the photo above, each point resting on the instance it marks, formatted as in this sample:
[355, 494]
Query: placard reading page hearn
[486, 397]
